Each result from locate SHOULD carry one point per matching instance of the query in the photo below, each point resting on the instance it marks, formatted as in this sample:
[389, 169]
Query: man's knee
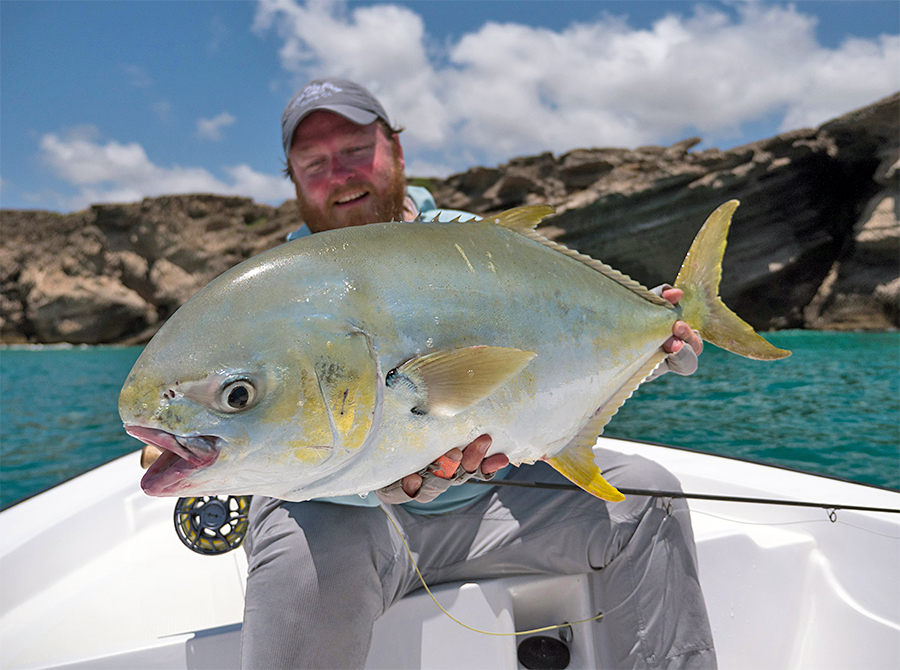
[651, 476]
[629, 471]
[330, 539]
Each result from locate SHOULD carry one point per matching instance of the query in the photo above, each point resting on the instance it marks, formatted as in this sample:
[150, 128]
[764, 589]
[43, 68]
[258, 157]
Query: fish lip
[198, 450]
[182, 456]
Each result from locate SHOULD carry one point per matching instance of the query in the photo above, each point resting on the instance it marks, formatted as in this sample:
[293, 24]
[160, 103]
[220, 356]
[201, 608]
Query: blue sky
[116, 101]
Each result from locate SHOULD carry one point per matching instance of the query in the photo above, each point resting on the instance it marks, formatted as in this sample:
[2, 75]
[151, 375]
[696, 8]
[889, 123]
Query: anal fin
[577, 464]
[594, 427]
[576, 460]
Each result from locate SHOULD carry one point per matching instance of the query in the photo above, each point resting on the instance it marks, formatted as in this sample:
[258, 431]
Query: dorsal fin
[604, 269]
[523, 220]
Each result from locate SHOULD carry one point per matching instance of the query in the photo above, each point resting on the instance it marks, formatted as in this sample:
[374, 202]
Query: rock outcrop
[114, 273]
[815, 243]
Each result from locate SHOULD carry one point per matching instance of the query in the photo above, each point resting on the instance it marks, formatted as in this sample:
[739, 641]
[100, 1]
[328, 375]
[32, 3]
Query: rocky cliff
[815, 243]
[115, 273]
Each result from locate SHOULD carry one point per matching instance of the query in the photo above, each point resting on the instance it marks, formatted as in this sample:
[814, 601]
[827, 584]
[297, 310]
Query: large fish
[341, 362]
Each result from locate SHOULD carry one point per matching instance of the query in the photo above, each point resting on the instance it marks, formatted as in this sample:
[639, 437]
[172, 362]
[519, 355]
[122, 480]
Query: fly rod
[695, 496]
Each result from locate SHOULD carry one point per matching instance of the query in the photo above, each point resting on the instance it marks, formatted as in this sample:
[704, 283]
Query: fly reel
[212, 525]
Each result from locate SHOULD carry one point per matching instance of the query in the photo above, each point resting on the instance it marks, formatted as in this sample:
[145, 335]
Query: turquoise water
[831, 408]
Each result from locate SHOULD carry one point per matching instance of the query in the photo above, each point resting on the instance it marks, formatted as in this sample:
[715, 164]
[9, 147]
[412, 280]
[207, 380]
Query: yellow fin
[576, 463]
[701, 306]
[576, 460]
[447, 382]
[521, 219]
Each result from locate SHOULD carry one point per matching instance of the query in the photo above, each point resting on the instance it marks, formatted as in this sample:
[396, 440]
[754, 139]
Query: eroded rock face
[83, 310]
[115, 273]
[815, 243]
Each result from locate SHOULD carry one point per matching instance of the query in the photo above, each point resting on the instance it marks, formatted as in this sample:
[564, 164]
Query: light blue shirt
[425, 206]
[456, 496]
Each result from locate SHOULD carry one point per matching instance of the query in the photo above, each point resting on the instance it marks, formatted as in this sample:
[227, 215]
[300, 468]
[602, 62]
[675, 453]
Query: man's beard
[386, 206]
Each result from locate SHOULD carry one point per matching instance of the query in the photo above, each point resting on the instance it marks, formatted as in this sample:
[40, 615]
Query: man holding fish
[322, 571]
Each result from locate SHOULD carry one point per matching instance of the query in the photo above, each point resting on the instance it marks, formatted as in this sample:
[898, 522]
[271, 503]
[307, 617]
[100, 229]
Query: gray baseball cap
[343, 97]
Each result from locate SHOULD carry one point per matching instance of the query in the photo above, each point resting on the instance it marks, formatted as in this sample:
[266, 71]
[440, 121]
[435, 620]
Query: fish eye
[237, 395]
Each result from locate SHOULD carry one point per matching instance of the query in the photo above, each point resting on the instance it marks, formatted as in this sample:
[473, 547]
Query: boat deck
[92, 575]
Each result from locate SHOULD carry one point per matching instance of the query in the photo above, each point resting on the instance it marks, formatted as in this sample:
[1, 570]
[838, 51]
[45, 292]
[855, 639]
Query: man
[321, 572]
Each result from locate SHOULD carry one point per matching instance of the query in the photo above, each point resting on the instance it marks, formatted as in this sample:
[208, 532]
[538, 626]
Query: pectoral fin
[447, 382]
[576, 463]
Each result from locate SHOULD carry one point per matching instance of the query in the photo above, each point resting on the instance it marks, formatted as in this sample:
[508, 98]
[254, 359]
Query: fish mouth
[182, 456]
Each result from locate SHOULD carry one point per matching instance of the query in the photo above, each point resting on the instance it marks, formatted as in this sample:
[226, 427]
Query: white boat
[92, 575]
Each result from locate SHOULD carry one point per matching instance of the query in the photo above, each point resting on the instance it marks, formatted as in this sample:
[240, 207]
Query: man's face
[346, 174]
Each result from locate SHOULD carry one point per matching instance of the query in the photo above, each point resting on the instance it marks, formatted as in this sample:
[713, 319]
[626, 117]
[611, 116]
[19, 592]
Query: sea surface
[832, 408]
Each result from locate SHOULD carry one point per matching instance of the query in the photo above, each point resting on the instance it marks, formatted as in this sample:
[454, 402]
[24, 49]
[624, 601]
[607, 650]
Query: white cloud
[382, 47]
[423, 168]
[218, 34]
[211, 129]
[856, 74]
[138, 76]
[115, 172]
[509, 89]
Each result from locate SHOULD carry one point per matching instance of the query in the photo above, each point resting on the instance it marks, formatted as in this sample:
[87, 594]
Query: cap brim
[354, 114]
[358, 116]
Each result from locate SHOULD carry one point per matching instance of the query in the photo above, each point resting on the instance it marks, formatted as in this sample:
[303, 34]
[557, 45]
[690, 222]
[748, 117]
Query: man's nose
[341, 168]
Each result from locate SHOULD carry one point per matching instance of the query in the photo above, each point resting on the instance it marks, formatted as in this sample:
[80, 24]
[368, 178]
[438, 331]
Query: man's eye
[313, 165]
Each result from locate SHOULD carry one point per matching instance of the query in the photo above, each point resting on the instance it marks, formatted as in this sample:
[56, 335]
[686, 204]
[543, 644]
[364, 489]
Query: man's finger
[474, 453]
[494, 462]
[673, 295]
[411, 484]
[672, 345]
[445, 466]
[690, 337]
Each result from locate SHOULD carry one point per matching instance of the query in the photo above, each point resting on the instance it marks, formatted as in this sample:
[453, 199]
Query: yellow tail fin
[701, 306]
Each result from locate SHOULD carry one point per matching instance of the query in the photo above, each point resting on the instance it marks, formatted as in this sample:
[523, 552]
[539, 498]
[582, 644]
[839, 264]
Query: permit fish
[338, 363]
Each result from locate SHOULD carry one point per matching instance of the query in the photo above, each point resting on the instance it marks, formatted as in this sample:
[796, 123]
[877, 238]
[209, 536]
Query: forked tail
[701, 306]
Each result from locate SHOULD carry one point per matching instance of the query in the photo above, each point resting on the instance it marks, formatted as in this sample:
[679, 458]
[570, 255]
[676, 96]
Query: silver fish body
[338, 363]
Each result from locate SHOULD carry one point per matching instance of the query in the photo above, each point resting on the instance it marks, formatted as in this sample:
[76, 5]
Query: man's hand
[426, 488]
[683, 363]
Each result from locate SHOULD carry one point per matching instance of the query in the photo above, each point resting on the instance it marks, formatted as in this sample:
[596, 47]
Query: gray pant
[320, 574]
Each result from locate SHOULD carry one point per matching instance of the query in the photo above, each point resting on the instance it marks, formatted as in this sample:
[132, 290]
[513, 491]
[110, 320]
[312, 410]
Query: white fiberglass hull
[92, 575]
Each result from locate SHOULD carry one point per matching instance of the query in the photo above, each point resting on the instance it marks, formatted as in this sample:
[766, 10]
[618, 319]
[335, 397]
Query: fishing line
[804, 522]
[831, 508]
[466, 626]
